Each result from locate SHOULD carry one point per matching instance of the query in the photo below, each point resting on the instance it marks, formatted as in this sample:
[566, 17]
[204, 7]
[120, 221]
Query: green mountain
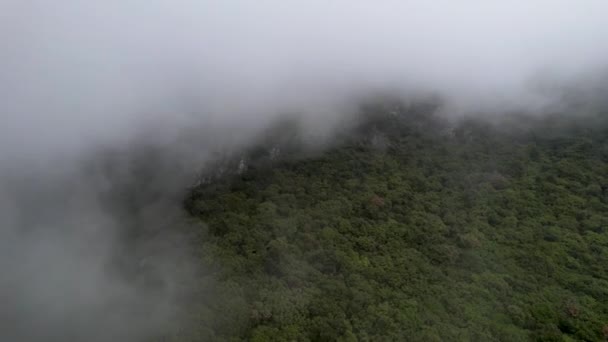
[411, 228]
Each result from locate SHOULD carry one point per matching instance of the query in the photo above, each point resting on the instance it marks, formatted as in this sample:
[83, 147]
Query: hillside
[412, 229]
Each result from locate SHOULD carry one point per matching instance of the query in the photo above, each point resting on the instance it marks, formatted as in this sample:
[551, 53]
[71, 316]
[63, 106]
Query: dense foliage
[413, 229]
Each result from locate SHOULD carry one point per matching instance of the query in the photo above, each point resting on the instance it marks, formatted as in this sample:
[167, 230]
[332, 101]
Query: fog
[108, 110]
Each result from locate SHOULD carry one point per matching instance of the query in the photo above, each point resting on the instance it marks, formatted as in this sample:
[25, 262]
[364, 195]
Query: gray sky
[73, 72]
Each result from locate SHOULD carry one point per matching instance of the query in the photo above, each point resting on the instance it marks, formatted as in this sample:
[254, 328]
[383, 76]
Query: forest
[409, 227]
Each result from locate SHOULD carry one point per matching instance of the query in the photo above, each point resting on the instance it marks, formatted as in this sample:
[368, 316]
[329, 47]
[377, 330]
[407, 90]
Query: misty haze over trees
[315, 171]
[478, 231]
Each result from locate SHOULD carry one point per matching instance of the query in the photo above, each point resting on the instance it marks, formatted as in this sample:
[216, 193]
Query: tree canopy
[412, 229]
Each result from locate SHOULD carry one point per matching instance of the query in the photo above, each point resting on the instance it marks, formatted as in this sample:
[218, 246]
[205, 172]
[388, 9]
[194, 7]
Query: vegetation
[413, 229]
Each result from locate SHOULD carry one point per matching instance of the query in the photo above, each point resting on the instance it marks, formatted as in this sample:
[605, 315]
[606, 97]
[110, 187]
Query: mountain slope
[413, 229]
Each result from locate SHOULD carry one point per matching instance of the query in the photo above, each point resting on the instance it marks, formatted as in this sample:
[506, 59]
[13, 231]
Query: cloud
[91, 71]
